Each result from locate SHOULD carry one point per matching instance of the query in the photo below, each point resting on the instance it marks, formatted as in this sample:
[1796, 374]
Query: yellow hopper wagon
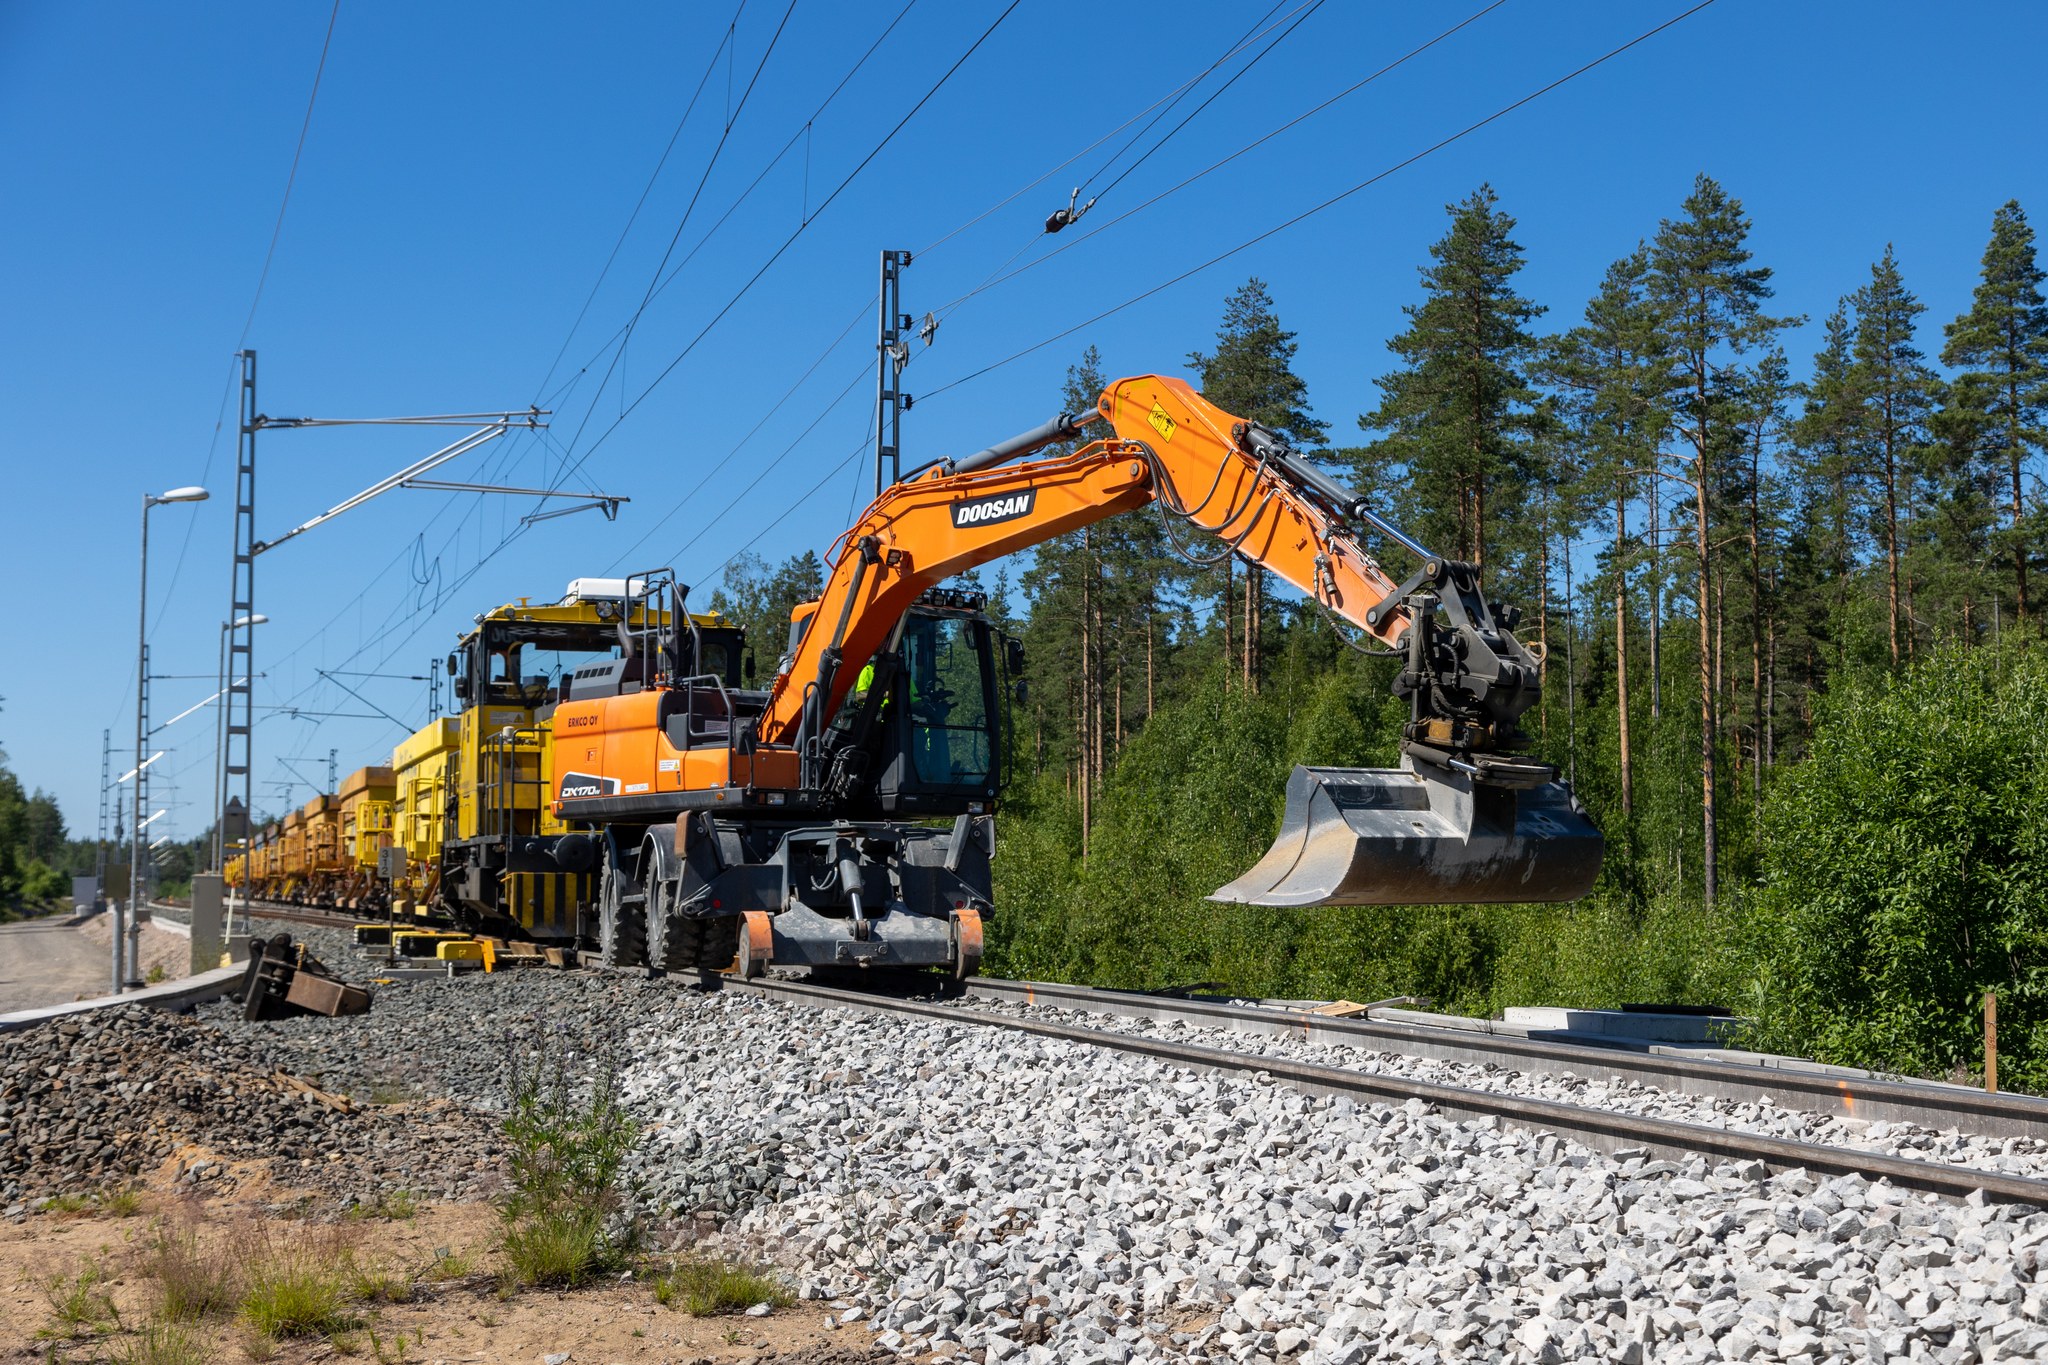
[365, 831]
[419, 815]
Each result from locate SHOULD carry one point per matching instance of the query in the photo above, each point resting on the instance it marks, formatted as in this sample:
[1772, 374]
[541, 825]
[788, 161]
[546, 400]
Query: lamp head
[190, 493]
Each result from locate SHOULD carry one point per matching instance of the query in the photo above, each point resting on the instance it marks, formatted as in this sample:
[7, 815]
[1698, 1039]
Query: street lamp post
[132, 919]
[220, 707]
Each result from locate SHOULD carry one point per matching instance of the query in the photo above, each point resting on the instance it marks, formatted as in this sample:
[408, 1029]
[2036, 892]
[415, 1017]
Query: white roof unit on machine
[602, 590]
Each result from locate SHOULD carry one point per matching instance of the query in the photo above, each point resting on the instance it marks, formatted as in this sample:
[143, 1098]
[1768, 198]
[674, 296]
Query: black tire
[621, 925]
[681, 943]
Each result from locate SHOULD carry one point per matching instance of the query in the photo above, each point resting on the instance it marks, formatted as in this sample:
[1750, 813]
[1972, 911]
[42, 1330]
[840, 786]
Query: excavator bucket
[1395, 836]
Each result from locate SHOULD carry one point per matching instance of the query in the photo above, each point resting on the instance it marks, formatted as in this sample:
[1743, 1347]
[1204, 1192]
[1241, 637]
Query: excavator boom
[1463, 820]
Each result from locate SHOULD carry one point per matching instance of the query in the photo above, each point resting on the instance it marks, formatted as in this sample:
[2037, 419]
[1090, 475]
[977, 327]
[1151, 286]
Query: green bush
[568, 1138]
[1906, 872]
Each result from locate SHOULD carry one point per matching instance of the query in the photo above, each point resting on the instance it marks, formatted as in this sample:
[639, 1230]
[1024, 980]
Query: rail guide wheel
[966, 943]
[756, 945]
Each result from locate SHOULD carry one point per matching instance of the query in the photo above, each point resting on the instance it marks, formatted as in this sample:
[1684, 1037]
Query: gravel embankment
[999, 1198]
[99, 1099]
[2009, 1156]
[1025, 1195]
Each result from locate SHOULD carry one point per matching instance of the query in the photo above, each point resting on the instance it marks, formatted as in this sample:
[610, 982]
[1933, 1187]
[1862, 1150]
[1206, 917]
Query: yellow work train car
[419, 813]
[365, 831]
[268, 882]
[320, 823]
[290, 878]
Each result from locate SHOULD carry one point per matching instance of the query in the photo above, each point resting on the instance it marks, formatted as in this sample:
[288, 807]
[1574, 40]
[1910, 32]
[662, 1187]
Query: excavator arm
[1465, 819]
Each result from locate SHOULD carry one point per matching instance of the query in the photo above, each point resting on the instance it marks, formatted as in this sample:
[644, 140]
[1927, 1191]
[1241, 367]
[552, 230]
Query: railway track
[1817, 1091]
[1923, 1105]
[1602, 1129]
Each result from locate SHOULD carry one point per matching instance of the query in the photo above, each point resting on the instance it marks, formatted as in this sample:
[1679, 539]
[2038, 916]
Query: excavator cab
[921, 728]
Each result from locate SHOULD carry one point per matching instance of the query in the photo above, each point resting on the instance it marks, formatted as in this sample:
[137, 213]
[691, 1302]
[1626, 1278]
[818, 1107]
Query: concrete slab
[175, 996]
[1639, 1024]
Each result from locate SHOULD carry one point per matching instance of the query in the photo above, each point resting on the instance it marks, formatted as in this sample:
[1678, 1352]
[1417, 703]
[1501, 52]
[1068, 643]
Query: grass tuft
[559, 1247]
[708, 1288]
[70, 1205]
[122, 1203]
[79, 1303]
[194, 1279]
[451, 1265]
[163, 1343]
[299, 1289]
[377, 1284]
[392, 1204]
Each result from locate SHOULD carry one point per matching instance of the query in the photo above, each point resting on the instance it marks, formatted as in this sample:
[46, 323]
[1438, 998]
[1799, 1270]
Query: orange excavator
[804, 825]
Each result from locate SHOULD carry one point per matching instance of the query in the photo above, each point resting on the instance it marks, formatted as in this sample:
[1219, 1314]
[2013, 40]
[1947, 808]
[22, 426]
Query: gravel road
[50, 962]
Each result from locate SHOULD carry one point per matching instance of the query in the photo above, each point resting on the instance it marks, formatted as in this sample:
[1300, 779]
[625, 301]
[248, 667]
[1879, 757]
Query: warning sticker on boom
[1161, 422]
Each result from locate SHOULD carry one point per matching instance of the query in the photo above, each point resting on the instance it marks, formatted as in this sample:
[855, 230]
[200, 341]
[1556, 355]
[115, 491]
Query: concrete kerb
[175, 996]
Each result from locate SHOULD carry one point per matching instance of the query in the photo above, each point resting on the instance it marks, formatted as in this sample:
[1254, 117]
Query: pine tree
[759, 599]
[2001, 345]
[1712, 299]
[1613, 371]
[1825, 454]
[1458, 415]
[1251, 374]
[1762, 401]
[1898, 394]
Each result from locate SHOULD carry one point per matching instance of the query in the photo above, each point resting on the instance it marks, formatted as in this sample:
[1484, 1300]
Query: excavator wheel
[685, 943]
[621, 925]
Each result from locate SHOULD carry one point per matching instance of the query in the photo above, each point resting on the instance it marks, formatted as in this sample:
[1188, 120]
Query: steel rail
[1601, 1129]
[1936, 1106]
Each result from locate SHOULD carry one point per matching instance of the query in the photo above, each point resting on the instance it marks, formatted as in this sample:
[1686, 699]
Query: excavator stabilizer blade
[1395, 836]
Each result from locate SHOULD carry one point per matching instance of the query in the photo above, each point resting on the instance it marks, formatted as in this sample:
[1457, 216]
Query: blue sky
[470, 167]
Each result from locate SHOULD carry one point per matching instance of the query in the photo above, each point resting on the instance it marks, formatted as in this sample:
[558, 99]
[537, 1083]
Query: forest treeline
[1791, 612]
[35, 855]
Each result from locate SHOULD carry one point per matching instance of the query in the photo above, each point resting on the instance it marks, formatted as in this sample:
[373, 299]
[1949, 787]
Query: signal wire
[292, 178]
[788, 242]
[1167, 99]
[1331, 202]
[769, 468]
[634, 217]
[1162, 105]
[647, 297]
[948, 308]
[727, 458]
[1301, 16]
[551, 400]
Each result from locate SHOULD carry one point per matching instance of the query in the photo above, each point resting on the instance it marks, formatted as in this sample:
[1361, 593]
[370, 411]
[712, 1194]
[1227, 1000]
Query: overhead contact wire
[646, 190]
[1331, 202]
[790, 241]
[1218, 165]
